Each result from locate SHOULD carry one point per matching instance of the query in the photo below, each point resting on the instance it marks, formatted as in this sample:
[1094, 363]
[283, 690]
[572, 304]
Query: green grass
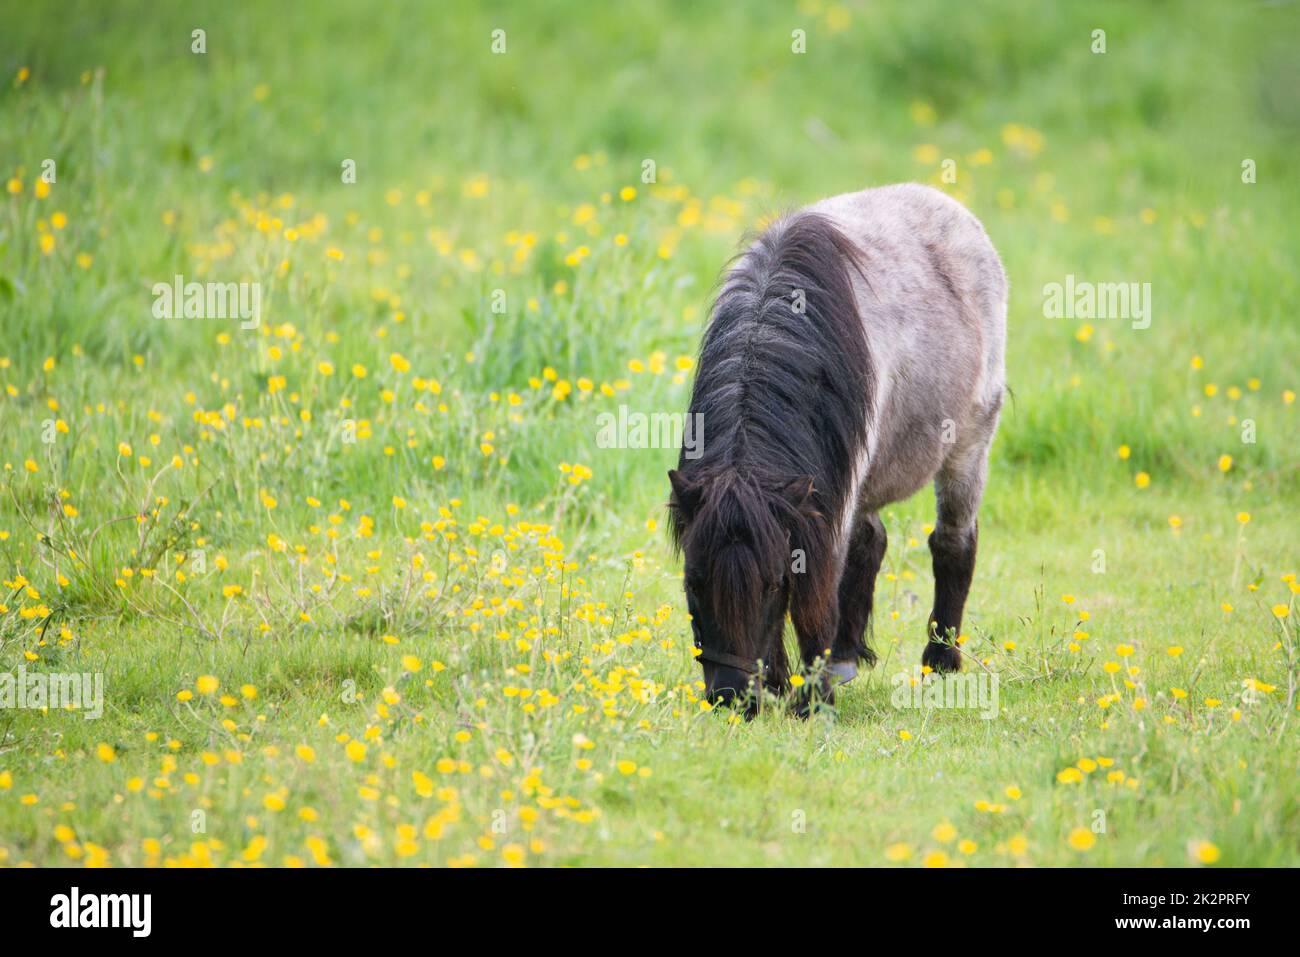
[546, 616]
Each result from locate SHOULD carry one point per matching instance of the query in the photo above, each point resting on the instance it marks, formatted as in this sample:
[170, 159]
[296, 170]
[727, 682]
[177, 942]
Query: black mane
[781, 392]
[781, 387]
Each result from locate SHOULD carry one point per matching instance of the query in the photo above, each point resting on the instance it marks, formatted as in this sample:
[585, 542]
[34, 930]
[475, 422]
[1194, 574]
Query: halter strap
[747, 665]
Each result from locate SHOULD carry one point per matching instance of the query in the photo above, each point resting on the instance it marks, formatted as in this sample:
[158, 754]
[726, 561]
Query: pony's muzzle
[729, 687]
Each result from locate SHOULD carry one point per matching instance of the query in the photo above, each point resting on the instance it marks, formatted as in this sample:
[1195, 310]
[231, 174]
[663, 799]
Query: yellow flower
[1281, 611]
[513, 855]
[944, 832]
[898, 852]
[1142, 479]
[206, 684]
[399, 362]
[356, 751]
[1081, 839]
[626, 767]
[1205, 852]
[926, 154]
[1225, 462]
[106, 753]
[923, 114]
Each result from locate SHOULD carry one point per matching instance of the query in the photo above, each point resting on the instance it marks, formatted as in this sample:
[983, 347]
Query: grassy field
[363, 588]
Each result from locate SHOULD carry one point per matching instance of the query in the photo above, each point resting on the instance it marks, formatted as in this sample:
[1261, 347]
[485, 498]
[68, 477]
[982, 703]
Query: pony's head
[735, 534]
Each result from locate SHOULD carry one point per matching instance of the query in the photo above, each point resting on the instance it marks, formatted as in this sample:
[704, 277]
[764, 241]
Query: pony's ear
[797, 491]
[686, 494]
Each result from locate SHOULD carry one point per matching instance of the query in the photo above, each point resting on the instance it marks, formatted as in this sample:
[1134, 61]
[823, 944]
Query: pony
[854, 352]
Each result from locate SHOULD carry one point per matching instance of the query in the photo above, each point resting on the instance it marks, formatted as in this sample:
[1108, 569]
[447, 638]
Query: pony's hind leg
[959, 486]
[866, 551]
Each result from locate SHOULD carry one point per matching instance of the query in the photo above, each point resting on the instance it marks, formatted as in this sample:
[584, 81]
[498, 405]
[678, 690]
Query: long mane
[782, 389]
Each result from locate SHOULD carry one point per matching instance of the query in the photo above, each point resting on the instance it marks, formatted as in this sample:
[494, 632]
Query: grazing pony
[854, 353]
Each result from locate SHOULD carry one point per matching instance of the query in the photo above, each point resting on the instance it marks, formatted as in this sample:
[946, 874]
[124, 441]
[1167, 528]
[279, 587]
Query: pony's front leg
[866, 551]
[815, 624]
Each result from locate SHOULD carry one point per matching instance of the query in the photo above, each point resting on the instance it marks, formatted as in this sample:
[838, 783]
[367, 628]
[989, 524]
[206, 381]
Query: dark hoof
[843, 671]
[941, 658]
